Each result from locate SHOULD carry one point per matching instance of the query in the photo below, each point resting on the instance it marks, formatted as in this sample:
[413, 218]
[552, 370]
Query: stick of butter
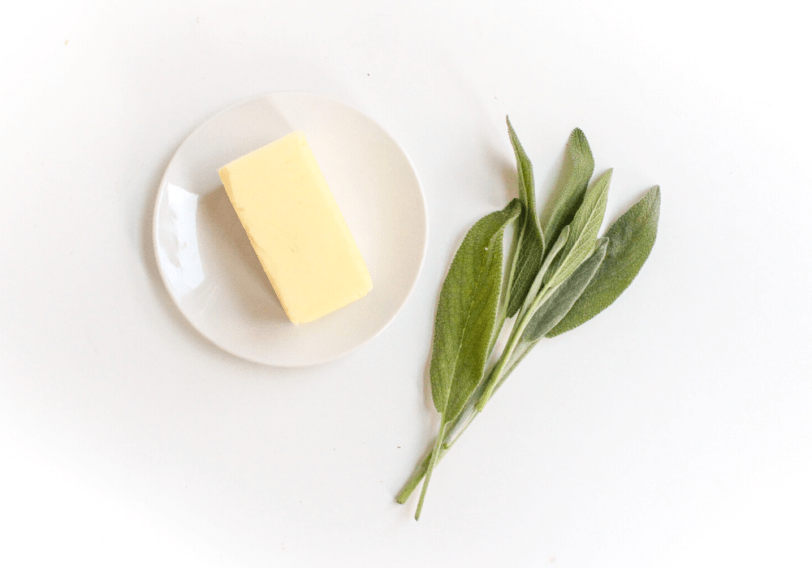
[296, 228]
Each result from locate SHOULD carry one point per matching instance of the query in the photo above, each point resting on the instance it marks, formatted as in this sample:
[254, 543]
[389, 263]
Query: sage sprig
[539, 291]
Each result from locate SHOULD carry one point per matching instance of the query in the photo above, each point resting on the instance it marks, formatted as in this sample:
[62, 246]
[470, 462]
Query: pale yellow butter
[296, 228]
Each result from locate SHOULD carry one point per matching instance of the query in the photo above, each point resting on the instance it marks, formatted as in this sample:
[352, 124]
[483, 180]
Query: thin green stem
[499, 373]
[477, 401]
[414, 480]
[421, 469]
[452, 434]
[513, 340]
[434, 455]
[456, 430]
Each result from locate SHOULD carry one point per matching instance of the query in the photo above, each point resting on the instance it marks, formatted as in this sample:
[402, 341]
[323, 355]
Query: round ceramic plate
[209, 266]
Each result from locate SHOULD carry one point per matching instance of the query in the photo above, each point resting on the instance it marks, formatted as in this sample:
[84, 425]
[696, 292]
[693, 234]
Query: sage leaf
[530, 249]
[583, 230]
[466, 318]
[560, 243]
[560, 301]
[631, 239]
[577, 172]
[555, 307]
[467, 322]
[527, 187]
[537, 319]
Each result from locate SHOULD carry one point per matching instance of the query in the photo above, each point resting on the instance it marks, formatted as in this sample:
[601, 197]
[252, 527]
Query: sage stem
[434, 455]
[452, 434]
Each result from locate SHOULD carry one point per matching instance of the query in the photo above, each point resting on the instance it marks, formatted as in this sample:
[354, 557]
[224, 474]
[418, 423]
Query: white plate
[207, 262]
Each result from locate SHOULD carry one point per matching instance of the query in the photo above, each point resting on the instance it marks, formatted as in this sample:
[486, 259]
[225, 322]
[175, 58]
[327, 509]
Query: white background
[673, 430]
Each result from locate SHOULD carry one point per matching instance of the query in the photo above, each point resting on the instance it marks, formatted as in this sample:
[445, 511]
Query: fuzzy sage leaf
[466, 321]
[555, 307]
[544, 312]
[530, 248]
[467, 313]
[577, 172]
[631, 239]
[583, 230]
[532, 293]
[560, 302]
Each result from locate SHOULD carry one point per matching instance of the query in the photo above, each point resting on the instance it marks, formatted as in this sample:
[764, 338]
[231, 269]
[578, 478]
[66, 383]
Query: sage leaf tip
[577, 136]
[580, 152]
[511, 130]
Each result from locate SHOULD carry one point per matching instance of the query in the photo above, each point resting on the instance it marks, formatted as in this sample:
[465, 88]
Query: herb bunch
[555, 277]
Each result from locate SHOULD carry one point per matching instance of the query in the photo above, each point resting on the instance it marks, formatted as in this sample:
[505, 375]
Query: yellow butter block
[296, 228]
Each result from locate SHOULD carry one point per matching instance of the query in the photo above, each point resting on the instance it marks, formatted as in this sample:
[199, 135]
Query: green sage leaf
[465, 323]
[631, 239]
[530, 249]
[556, 307]
[527, 187]
[532, 293]
[583, 230]
[577, 172]
[546, 312]
[560, 302]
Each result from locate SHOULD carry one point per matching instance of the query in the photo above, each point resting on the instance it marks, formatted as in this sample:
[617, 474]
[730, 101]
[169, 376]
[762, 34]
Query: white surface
[673, 430]
[207, 262]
